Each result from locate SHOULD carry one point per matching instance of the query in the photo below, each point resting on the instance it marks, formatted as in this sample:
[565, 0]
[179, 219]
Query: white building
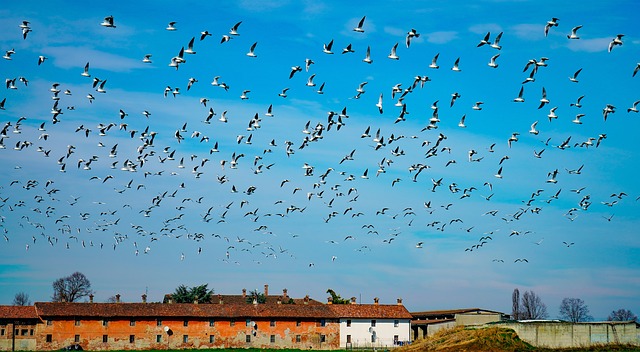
[373, 325]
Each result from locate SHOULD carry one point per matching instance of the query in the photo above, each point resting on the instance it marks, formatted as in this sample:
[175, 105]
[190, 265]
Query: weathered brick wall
[225, 335]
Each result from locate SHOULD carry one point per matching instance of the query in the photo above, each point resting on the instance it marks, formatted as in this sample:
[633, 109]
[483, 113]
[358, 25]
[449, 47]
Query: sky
[393, 180]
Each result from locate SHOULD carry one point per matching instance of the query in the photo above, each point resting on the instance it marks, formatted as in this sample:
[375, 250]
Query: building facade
[227, 321]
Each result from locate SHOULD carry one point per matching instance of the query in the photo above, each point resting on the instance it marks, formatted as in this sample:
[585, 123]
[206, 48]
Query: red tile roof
[373, 311]
[18, 312]
[225, 310]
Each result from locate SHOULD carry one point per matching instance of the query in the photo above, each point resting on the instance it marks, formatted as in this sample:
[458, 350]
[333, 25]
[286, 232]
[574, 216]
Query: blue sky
[160, 225]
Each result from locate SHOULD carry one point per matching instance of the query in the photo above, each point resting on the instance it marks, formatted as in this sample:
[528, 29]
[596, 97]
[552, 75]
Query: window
[212, 338]
[77, 322]
[24, 332]
[49, 338]
[1, 332]
[185, 323]
[395, 339]
[323, 322]
[272, 338]
[323, 338]
[105, 322]
[159, 322]
[396, 323]
[247, 338]
[348, 323]
[132, 323]
[76, 338]
[373, 322]
[272, 323]
[348, 338]
[132, 338]
[158, 338]
[248, 322]
[105, 338]
[298, 323]
[185, 338]
[232, 322]
[298, 338]
[212, 322]
[49, 322]
[31, 332]
[373, 338]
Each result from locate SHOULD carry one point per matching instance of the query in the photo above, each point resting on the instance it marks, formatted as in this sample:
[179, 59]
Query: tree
[574, 310]
[21, 299]
[336, 299]
[256, 295]
[71, 288]
[622, 315]
[532, 307]
[184, 294]
[515, 304]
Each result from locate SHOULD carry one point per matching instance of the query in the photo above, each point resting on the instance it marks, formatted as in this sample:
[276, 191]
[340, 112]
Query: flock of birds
[151, 173]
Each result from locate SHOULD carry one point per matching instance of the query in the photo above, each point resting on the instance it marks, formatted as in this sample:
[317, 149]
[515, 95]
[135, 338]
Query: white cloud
[528, 31]
[485, 27]
[441, 37]
[68, 57]
[589, 45]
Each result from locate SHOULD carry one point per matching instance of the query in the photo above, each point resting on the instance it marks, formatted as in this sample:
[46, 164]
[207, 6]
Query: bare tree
[21, 299]
[532, 306]
[71, 288]
[574, 310]
[622, 315]
[515, 304]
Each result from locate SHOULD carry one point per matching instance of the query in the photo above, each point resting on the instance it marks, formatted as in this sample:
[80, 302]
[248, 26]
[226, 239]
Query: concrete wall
[469, 319]
[563, 334]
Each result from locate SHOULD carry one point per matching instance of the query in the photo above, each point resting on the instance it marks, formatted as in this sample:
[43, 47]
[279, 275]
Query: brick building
[228, 321]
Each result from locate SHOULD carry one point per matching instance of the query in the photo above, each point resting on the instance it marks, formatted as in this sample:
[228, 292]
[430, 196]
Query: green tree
[185, 294]
[336, 299]
[258, 296]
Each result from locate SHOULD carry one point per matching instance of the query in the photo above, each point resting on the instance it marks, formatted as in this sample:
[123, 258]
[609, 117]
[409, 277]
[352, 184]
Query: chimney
[329, 300]
[220, 298]
[91, 298]
[399, 301]
[284, 294]
[279, 301]
[375, 300]
[266, 290]
[306, 299]
[63, 299]
[244, 293]
[353, 300]
[195, 301]
[144, 298]
[117, 298]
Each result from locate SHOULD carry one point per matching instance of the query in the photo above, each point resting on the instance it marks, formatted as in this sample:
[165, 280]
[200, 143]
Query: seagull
[496, 42]
[533, 130]
[108, 22]
[492, 63]
[484, 40]
[41, 59]
[379, 104]
[434, 64]
[551, 23]
[234, 29]
[616, 41]
[574, 34]
[360, 24]
[574, 78]
[577, 104]
[392, 55]
[367, 57]
[634, 107]
[147, 59]
[543, 100]
[348, 49]
[577, 119]
[171, 26]
[189, 49]
[522, 260]
[455, 65]
[85, 73]
[251, 50]
[410, 35]
[327, 47]
[204, 34]
[419, 244]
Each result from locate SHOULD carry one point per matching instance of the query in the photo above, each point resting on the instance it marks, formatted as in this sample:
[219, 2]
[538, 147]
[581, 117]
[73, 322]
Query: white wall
[385, 329]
